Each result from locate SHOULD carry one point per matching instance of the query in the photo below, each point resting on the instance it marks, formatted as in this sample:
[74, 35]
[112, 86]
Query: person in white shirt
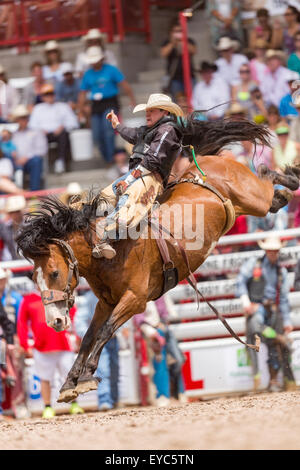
[31, 148]
[9, 97]
[212, 91]
[55, 120]
[94, 37]
[275, 84]
[53, 70]
[229, 63]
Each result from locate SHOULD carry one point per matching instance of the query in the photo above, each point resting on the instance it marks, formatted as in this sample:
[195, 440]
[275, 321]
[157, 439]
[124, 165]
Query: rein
[52, 295]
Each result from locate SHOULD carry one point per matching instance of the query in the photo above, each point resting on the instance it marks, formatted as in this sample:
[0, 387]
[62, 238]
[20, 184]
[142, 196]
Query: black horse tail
[210, 137]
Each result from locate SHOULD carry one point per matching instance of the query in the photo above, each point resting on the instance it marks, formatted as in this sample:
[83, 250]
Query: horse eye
[54, 275]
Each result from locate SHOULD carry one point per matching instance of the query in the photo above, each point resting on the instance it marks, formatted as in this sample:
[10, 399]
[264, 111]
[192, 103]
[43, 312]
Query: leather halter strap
[52, 296]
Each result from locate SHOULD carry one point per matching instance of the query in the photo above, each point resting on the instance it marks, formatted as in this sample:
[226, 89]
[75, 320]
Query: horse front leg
[128, 305]
[68, 390]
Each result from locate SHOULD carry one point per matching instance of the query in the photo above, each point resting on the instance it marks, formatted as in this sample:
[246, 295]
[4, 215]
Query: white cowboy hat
[271, 244]
[227, 43]
[160, 101]
[51, 46]
[15, 204]
[66, 67]
[93, 33]
[5, 273]
[94, 54]
[21, 111]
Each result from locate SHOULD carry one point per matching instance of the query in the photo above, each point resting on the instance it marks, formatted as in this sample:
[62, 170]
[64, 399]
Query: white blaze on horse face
[56, 317]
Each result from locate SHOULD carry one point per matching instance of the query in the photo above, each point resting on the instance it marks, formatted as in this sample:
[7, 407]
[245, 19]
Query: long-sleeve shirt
[161, 152]
[206, 96]
[30, 143]
[269, 272]
[230, 71]
[49, 117]
[32, 313]
[275, 86]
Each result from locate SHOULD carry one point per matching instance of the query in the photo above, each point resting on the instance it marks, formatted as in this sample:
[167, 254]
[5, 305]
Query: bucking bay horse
[58, 238]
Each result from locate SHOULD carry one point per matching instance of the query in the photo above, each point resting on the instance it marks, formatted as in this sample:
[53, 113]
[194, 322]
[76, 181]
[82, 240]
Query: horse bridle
[52, 296]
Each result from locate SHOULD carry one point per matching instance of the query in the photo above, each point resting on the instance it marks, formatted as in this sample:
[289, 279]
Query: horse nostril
[57, 322]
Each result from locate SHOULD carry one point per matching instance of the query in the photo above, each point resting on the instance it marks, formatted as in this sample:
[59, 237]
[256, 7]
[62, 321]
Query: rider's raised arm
[129, 134]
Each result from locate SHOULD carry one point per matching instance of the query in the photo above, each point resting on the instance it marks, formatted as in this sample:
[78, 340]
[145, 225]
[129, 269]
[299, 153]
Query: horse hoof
[67, 395]
[84, 386]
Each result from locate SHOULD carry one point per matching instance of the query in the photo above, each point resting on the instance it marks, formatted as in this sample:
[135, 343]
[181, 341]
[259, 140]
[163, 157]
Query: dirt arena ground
[267, 421]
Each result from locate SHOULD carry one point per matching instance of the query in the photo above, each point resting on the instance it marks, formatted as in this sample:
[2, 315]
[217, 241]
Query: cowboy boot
[103, 250]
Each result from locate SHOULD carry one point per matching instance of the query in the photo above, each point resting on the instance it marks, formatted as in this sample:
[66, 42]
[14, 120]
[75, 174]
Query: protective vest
[256, 284]
[144, 138]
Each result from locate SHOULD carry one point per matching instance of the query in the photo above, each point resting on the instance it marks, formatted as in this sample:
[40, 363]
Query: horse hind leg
[289, 179]
[280, 199]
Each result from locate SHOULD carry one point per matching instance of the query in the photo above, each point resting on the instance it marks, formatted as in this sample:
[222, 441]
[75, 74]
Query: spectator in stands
[241, 92]
[6, 341]
[7, 18]
[53, 71]
[31, 148]
[94, 37]
[6, 167]
[230, 62]
[294, 59]
[108, 366]
[286, 151]
[121, 162]
[32, 92]
[45, 17]
[211, 92]
[171, 50]
[225, 19]
[9, 97]
[56, 120]
[51, 351]
[102, 82]
[287, 108]
[263, 287]
[258, 63]
[14, 209]
[7, 146]
[275, 84]
[264, 31]
[273, 120]
[286, 35]
[295, 124]
[67, 90]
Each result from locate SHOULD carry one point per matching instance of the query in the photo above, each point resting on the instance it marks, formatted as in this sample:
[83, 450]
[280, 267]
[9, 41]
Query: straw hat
[227, 43]
[160, 101]
[236, 108]
[271, 53]
[51, 46]
[271, 244]
[21, 111]
[93, 33]
[94, 54]
[15, 204]
[47, 88]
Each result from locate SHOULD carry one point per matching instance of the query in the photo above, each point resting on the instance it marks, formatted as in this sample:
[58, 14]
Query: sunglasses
[244, 71]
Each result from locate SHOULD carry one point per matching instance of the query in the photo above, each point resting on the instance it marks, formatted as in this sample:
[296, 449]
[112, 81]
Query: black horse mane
[210, 137]
[54, 219]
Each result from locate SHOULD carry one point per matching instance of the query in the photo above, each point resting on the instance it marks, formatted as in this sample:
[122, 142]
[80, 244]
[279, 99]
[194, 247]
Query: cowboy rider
[156, 147]
[263, 287]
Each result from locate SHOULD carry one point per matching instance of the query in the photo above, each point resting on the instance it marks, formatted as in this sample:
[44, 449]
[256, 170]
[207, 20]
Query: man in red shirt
[51, 350]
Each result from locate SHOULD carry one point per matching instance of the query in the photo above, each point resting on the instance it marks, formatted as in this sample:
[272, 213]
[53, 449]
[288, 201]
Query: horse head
[56, 275]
